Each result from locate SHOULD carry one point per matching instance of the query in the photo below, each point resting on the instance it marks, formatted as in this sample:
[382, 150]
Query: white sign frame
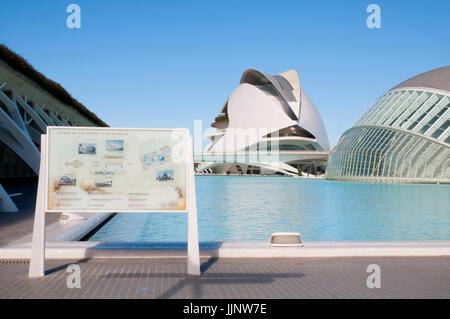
[187, 160]
[37, 258]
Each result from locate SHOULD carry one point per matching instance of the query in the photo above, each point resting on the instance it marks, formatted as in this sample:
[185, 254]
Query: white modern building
[404, 137]
[268, 125]
[29, 102]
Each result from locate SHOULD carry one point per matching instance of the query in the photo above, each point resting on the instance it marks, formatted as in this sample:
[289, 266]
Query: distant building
[273, 114]
[403, 137]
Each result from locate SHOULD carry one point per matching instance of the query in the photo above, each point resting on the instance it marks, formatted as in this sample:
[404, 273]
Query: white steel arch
[406, 132]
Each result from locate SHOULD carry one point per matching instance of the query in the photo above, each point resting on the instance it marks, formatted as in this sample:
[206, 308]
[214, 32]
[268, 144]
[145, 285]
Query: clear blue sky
[168, 63]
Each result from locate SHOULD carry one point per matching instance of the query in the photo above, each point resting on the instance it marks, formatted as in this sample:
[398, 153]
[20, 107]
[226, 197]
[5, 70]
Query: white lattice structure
[26, 109]
[403, 137]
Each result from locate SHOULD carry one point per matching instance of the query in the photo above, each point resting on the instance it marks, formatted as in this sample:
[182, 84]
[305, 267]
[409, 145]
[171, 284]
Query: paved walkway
[406, 277]
[14, 226]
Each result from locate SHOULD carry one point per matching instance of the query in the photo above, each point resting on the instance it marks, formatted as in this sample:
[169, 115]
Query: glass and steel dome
[403, 137]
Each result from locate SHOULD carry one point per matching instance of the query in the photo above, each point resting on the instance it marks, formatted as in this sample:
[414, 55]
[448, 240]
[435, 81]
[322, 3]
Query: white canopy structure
[29, 102]
[270, 115]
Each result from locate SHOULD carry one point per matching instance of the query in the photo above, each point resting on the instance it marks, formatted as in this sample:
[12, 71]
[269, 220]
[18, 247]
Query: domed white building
[269, 115]
[403, 137]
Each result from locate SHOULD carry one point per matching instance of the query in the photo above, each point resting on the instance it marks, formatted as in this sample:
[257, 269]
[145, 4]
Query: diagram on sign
[116, 170]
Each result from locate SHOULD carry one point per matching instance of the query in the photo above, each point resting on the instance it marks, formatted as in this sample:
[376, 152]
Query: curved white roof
[435, 79]
[276, 102]
[283, 87]
[311, 121]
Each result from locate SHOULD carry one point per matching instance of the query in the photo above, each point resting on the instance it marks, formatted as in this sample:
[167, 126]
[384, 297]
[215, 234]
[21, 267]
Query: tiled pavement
[14, 226]
[412, 277]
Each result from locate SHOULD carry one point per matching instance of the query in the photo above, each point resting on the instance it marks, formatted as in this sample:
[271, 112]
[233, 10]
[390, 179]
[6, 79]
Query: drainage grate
[12, 261]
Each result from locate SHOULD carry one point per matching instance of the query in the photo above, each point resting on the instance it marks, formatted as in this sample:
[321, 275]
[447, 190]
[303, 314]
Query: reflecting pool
[250, 208]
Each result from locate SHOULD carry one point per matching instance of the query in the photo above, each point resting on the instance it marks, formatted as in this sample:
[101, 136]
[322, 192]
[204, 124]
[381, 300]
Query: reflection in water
[239, 208]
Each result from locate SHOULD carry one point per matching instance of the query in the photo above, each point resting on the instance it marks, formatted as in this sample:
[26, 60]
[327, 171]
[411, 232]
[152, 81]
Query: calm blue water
[236, 208]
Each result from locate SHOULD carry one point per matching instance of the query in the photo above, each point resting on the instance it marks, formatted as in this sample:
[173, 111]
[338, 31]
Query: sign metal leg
[37, 258]
[193, 263]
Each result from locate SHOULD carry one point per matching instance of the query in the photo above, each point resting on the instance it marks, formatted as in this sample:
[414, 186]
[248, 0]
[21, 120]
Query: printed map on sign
[116, 169]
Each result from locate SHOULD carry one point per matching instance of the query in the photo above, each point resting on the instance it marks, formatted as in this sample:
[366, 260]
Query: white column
[193, 262]
[37, 258]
